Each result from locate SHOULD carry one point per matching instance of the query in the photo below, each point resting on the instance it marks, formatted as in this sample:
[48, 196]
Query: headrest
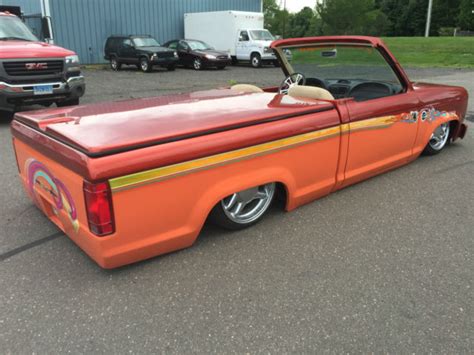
[246, 88]
[310, 92]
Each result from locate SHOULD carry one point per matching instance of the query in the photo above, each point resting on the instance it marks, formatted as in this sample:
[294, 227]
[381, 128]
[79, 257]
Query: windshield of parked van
[199, 46]
[261, 35]
[11, 28]
[145, 42]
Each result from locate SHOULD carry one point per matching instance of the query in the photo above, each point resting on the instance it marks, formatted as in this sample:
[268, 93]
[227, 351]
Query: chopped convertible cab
[133, 179]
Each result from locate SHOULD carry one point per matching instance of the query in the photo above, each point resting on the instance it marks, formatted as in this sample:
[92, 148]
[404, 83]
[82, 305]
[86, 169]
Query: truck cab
[254, 45]
[34, 72]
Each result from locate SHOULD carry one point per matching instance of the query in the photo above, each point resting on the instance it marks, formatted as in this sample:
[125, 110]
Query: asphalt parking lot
[382, 266]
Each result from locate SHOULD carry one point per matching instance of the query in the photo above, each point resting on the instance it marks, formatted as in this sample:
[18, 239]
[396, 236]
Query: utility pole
[428, 18]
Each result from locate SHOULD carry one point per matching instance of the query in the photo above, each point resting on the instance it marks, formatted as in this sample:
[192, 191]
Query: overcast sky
[297, 5]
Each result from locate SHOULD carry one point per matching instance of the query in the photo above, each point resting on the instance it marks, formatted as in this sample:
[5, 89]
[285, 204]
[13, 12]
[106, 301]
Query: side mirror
[45, 28]
[329, 54]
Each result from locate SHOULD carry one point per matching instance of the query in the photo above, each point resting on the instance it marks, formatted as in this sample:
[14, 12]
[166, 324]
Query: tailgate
[57, 191]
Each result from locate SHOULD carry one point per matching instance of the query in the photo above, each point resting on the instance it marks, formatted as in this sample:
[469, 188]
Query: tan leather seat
[246, 88]
[310, 92]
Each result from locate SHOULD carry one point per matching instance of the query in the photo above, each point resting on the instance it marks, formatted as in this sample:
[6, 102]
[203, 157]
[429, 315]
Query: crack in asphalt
[9, 221]
[455, 166]
[28, 246]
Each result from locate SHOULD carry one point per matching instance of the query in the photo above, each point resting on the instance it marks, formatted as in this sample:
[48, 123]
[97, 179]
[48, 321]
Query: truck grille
[31, 68]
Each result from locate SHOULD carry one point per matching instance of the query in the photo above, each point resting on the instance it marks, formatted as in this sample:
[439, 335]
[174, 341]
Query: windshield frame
[384, 53]
[157, 44]
[374, 42]
[24, 32]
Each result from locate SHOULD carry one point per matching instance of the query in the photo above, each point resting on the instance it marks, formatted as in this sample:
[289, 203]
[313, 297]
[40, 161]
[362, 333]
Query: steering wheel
[291, 80]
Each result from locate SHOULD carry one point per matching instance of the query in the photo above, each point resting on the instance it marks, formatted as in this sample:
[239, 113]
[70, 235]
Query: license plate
[43, 89]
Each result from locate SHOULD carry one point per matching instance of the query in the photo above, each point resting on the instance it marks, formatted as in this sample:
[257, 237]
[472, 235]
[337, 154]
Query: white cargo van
[239, 33]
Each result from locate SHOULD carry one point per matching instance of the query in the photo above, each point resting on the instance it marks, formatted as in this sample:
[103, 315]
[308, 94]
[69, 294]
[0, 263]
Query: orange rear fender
[231, 184]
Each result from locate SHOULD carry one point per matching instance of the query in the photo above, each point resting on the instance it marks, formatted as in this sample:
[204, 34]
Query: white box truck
[239, 33]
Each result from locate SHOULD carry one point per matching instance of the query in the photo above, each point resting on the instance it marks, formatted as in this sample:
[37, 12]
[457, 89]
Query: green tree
[270, 10]
[301, 24]
[466, 15]
[351, 17]
[445, 13]
[275, 19]
[406, 17]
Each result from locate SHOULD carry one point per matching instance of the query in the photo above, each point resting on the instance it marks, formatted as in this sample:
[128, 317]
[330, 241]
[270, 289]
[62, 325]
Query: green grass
[454, 52]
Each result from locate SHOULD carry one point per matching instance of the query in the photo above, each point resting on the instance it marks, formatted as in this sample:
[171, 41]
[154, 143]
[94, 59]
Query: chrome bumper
[16, 95]
[269, 56]
[58, 87]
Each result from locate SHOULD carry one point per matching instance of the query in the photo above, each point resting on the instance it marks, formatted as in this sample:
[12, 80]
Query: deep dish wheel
[244, 208]
[438, 140]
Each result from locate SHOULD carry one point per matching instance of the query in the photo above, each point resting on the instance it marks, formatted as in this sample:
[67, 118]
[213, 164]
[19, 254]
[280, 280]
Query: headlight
[72, 59]
[210, 56]
[176, 54]
[267, 50]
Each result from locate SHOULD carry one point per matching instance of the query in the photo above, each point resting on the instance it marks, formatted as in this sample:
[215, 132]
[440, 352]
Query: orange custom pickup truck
[133, 179]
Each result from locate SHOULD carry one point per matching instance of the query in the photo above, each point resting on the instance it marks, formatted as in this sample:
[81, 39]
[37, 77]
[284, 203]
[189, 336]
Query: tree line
[370, 17]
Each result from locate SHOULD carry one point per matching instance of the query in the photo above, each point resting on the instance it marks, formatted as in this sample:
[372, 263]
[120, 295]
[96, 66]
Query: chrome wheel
[197, 64]
[144, 65]
[256, 61]
[439, 137]
[245, 207]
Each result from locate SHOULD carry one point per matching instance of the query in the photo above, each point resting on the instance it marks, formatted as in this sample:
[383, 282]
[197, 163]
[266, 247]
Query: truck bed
[108, 128]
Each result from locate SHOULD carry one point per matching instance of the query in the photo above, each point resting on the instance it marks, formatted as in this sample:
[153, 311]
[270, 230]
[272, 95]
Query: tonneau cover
[110, 127]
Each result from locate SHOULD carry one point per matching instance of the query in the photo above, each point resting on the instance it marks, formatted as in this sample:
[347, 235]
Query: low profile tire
[114, 64]
[72, 102]
[439, 139]
[197, 64]
[256, 60]
[244, 208]
[145, 65]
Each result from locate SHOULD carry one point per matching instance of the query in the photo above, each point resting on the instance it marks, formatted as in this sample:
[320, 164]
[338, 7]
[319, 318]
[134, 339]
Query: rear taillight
[99, 208]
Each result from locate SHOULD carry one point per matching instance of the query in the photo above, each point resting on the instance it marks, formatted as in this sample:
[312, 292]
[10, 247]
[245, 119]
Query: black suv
[143, 51]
